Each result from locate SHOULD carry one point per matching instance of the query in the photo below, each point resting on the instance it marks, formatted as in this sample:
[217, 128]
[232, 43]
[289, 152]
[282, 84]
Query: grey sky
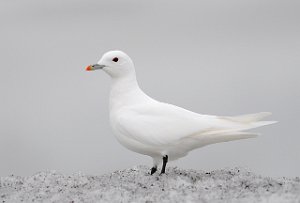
[213, 57]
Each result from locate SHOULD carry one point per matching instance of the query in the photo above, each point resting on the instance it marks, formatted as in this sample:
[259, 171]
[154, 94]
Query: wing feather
[161, 123]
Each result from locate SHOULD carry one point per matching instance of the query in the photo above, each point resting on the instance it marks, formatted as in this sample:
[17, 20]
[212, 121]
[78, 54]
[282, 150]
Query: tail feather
[249, 118]
[236, 127]
[246, 126]
[226, 137]
[263, 123]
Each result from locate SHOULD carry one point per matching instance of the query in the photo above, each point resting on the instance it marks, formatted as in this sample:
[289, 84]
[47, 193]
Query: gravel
[137, 185]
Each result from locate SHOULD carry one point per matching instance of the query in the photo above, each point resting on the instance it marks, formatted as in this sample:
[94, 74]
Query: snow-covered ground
[136, 185]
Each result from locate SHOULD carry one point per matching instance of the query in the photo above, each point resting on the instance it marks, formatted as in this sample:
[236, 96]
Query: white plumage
[158, 129]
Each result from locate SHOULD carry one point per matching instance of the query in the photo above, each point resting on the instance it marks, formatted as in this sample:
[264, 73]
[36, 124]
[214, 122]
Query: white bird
[163, 131]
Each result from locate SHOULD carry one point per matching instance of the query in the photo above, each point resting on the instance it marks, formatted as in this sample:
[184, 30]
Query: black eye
[115, 59]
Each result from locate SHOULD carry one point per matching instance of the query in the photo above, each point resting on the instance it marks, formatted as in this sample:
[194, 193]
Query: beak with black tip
[94, 67]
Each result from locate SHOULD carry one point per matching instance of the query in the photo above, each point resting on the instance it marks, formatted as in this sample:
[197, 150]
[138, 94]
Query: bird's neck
[125, 92]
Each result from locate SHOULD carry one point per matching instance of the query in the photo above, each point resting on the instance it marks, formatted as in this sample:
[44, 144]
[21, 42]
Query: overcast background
[212, 57]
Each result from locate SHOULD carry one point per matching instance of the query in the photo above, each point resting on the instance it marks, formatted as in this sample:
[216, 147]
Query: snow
[137, 185]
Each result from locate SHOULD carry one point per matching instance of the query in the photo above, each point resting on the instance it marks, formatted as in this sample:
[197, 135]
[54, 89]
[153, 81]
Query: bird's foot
[153, 170]
[165, 161]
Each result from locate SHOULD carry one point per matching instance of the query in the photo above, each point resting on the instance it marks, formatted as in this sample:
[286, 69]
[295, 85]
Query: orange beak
[89, 68]
[94, 67]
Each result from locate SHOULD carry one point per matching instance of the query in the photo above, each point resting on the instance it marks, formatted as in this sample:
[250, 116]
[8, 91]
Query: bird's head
[114, 63]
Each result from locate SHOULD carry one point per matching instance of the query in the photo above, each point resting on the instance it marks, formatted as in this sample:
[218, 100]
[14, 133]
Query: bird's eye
[115, 59]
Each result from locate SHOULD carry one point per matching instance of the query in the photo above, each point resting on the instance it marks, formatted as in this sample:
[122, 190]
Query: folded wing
[159, 124]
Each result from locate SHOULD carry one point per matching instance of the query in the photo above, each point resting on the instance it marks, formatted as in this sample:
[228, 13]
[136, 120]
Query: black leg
[165, 160]
[153, 170]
